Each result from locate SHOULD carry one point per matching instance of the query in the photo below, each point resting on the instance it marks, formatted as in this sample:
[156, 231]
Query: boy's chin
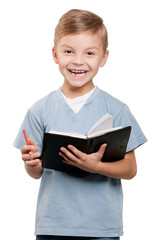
[83, 88]
[80, 84]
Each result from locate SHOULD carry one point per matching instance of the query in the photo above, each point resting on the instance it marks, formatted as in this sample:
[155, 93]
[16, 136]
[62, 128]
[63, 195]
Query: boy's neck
[74, 92]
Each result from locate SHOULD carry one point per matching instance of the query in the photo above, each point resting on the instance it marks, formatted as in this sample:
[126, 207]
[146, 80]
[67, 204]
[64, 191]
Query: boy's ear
[54, 55]
[104, 59]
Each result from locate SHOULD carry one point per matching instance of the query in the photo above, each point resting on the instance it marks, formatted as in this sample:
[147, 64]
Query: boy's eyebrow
[65, 45]
[92, 47]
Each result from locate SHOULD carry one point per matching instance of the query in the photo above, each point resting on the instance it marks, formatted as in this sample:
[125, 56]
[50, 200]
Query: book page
[100, 133]
[106, 122]
[67, 133]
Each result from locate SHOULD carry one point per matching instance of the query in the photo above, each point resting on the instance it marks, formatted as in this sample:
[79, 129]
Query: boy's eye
[90, 53]
[68, 51]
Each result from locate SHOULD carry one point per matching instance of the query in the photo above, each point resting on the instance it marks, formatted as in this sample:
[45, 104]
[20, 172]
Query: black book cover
[116, 147]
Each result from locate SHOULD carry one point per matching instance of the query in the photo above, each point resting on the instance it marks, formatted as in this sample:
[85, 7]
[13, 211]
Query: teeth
[77, 72]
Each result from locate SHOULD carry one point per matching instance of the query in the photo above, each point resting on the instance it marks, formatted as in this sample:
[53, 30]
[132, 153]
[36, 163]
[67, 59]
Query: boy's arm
[34, 172]
[29, 153]
[123, 169]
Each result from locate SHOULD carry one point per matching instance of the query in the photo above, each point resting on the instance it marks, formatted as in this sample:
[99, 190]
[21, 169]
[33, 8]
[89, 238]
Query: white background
[28, 73]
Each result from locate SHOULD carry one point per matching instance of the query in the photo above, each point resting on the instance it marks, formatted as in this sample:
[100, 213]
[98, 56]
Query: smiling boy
[79, 57]
[75, 206]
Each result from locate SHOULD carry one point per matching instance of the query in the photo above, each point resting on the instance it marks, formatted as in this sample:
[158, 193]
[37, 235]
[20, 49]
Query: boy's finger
[77, 152]
[102, 149]
[31, 142]
[27, 148]
[34, 155]
[26, 157]
[67, 154]
[33, 163]
[30, 156]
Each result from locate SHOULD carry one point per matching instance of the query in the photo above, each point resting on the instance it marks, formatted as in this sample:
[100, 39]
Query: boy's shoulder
[44, 102]
[111, 101]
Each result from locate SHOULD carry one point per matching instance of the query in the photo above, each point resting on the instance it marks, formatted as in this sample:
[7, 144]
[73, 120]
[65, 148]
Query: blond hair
[75, 21]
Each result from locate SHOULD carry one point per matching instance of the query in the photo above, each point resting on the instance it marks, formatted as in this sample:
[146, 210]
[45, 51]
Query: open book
[101, 132]
[103, 125]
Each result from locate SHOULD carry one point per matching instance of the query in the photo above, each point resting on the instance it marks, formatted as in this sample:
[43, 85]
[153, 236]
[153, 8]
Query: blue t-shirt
[74, 204]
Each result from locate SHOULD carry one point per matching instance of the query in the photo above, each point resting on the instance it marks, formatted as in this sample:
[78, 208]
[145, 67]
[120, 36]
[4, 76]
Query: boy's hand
[29, 153]
[87, 162]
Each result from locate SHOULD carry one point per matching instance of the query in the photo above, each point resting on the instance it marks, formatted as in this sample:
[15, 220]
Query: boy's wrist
[34, 172]
[99, 169]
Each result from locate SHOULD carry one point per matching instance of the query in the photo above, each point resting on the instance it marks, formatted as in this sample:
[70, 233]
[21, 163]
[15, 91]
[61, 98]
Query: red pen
[25, 136]
[26, 139]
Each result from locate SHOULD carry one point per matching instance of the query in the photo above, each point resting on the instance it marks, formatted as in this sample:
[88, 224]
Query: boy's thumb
[102, 149]
[31, 142]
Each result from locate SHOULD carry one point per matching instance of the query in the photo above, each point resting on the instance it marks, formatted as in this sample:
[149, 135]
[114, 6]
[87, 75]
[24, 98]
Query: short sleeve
[125, 118]
[33, 126]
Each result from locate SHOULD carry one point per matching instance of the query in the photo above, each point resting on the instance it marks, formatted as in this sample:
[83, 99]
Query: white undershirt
[77, 103]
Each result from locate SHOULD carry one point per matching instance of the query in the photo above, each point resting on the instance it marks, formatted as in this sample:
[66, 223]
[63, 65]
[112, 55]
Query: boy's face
[79, 57]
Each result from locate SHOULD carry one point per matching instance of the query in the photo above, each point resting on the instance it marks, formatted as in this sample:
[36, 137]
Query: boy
[71, 206]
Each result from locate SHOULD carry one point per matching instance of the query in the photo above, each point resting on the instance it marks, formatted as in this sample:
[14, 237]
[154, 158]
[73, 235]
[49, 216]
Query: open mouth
[78, 73]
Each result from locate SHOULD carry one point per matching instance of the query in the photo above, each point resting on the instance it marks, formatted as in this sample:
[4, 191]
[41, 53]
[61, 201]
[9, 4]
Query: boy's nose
[78, 60]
